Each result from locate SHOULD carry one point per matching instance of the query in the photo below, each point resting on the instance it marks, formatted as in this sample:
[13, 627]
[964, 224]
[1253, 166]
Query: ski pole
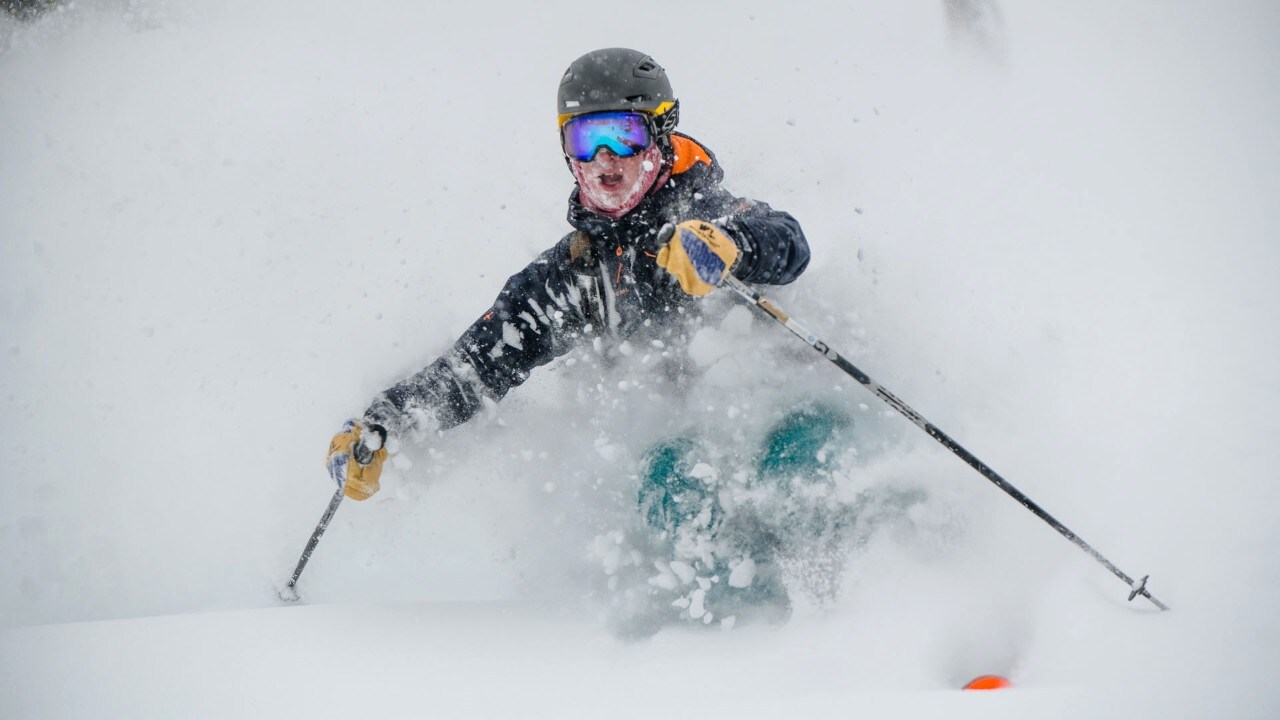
[292, 591]
[1136, 587]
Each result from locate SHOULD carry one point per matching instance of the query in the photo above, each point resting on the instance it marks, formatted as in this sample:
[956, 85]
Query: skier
[654, 232]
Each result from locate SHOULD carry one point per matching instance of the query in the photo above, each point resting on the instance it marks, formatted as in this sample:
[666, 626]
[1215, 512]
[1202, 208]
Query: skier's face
[613, 186]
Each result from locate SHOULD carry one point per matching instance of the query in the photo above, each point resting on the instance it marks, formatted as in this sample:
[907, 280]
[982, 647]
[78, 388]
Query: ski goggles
[624, 133]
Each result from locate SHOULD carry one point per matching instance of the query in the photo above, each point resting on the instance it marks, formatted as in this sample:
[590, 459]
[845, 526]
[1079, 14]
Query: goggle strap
[665, 120]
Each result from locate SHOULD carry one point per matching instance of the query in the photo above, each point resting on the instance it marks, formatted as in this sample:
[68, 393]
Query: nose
[605, 154]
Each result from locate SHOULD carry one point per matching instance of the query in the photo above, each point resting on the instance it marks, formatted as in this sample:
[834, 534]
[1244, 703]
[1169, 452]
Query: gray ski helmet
[617, 79]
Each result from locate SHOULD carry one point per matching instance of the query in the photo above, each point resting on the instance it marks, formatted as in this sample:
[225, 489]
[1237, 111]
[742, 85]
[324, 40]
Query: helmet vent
[647, 68]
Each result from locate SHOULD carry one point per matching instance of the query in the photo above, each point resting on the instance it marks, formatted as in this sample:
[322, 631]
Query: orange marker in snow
[988, 682]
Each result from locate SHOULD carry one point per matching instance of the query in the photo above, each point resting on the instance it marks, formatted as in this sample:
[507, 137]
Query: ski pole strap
[751, 295]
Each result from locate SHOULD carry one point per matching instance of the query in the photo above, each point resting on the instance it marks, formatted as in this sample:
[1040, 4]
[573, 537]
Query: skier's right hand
[698, 254]
[355, 459]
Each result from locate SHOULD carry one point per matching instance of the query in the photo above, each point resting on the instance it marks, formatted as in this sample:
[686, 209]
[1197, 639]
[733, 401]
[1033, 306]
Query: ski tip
[988, 682]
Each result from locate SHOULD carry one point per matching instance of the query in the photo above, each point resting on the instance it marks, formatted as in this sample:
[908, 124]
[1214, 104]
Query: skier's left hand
[355, 459]
[698, 254]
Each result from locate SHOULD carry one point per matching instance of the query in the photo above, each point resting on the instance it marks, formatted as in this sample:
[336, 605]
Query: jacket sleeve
[537, 317]
[774, 249]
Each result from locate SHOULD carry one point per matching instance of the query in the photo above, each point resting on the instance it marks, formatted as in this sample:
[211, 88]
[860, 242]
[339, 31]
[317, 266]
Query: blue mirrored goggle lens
[624, 133]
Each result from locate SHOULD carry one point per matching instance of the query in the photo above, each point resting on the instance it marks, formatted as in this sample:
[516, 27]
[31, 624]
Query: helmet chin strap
[668, 153]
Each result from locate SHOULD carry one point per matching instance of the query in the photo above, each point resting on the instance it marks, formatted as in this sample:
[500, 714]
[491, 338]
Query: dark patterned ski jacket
[601, 280]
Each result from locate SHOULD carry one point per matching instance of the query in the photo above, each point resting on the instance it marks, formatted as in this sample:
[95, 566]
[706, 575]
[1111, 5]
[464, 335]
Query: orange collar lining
[688, 153]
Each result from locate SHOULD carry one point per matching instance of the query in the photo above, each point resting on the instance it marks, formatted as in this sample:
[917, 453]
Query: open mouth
[610, 180]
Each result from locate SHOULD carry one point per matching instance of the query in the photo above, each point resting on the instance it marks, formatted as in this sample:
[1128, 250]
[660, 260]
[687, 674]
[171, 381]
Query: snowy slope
[224, 227]
[452, 660]
[493, 660]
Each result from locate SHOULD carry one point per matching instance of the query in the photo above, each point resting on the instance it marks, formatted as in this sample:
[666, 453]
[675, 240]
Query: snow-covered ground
[225, 226]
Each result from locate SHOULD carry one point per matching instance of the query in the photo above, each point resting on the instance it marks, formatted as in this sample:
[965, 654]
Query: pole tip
[288, 594]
